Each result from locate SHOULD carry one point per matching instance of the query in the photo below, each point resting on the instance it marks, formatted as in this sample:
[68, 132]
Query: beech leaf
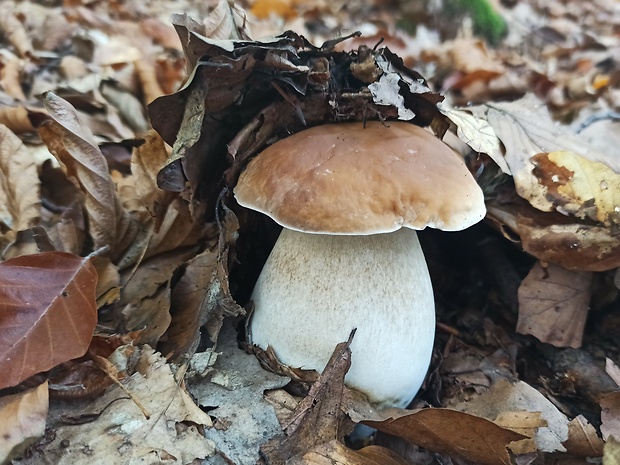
[553, 304]
[577, 186]
[22, 420]
[19, 186]
[47, 313]
[74, 145]
[453, 433]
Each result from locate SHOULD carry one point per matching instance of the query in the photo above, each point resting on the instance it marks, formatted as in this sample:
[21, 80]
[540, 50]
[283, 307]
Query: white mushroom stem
[315, 288]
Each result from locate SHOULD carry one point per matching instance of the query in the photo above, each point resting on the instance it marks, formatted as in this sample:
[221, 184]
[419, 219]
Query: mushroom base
[314, 289]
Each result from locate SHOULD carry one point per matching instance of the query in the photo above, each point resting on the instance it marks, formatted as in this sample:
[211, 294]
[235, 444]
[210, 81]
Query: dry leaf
[610, 416]
[612, 370]
[16, 119]
[553, 304]
[335, 453]
[462, 435]
[118, 431]
[22, 420]
[237, 379]
[48, 313]
[611, 453]
[74, 146]
[577, 186]
[521, 397]
[318, 418]
[10, 75]
[477, 133]
[13, 30]
[583, 439]
[19, 191]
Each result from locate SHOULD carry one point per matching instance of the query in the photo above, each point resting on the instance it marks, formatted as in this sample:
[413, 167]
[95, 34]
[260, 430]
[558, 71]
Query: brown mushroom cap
[347, 179]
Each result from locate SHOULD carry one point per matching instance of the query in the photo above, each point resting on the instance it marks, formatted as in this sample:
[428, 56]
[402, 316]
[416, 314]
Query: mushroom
[349, 199]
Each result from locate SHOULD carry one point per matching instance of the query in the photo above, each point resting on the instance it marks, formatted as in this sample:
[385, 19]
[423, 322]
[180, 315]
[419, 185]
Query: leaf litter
[176, 258]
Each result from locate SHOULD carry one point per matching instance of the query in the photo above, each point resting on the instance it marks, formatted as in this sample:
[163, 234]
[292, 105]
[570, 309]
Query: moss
[487, 22]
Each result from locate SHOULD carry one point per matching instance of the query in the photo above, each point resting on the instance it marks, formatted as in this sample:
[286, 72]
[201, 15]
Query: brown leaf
[583, 439]
[16, 119]
[555, 238]
[610, 416]
[10, 79]
[553, 304]
[335, 453]
[318, 418]
[202, 296]
[74, 146]
[14, 31]
[505, 396]
[47, 313]
[579, 187]
[461, 434]
[19, 191]
[22, 420]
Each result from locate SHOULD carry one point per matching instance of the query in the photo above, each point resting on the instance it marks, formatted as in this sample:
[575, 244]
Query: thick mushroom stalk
[315, 288]
[343, 192]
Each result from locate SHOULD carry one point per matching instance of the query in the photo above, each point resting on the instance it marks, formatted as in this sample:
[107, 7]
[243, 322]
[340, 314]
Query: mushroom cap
[347, 179]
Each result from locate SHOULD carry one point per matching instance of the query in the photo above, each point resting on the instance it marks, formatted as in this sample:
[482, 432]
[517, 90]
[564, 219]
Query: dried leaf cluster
[118, 240]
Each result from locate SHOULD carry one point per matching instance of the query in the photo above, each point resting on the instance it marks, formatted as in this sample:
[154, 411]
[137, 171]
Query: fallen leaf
[553, 304]
[610, 416]
[461, 434]
[525, 423]
[583, 439]
[579, 187]
[47, 315]
[611, 453]
[335, 453]
[74, 146]
[22, 420]
[318, 418]
[233, 392]
[14, 31]
[202, 296]
[612, 370]
[19, 191]
[521, 397]
[118, 432]
[477, 133]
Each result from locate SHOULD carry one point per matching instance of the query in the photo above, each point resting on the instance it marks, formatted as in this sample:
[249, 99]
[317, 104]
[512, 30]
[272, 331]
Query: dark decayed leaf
[318, 418]
[47, 313]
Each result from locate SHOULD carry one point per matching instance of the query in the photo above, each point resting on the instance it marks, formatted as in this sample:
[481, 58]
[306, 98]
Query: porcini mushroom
[349, 199]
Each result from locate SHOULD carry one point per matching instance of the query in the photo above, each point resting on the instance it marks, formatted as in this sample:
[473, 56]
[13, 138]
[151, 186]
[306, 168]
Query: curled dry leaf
[583, 439]
[477, 133]
[10, 80]
[16, 119]
[22, 420]
[555, 238]
[579, 187]
[118, 432]
[47, 313]
[19, 188]
[505, 396]
[462, 435]
[553, 304]
[318, 418]
[73, 144]
[14, 31]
